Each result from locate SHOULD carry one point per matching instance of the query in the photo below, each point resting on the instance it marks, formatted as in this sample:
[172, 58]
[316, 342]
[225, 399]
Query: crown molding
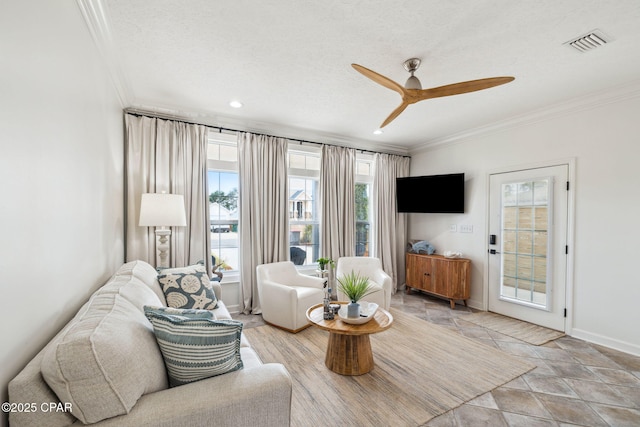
[572, 106]
[93, 12]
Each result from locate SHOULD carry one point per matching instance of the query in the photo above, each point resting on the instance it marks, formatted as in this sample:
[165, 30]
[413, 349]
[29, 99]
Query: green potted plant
[355, 287]
[323, 262]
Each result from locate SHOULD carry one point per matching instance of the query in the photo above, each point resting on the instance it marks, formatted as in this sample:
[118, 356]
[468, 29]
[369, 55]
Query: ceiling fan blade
[463, 87]
[380, 79]
[394, 114]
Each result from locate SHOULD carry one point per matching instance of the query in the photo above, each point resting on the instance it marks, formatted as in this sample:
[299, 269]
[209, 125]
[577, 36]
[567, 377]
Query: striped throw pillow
[195, 346]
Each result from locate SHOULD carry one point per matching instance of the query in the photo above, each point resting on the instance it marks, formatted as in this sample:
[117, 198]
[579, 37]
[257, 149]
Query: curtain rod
[220, 129]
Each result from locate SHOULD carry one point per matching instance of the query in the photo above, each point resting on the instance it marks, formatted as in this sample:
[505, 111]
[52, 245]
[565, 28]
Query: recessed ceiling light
[377, 132]
[236, 104]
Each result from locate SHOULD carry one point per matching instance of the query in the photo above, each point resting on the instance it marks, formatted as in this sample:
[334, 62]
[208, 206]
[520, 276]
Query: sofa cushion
[144, 272]
[195, 348]
[131, 289]
[221, 311]
[188, 290]
[250, 358]
[107, 357]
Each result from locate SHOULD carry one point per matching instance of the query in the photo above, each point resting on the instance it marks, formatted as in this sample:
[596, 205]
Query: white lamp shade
[162, 210]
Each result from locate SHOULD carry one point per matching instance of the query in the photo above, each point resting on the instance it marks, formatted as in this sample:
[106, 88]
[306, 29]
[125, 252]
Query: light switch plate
[466, 228]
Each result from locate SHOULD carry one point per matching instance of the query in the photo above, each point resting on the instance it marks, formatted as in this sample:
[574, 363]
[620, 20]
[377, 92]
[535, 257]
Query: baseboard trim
[475, 304]
[233, 309]
[613, 343]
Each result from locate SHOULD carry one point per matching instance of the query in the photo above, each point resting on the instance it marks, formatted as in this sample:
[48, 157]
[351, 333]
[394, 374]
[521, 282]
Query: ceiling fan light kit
[412, 91]
[411, 65]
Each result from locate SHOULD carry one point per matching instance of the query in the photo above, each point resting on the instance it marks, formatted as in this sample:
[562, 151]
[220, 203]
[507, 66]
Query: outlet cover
[453, 228]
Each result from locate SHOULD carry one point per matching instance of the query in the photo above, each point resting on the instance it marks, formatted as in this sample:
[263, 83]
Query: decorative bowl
[367, 310]
[335, 308]
[452, 254]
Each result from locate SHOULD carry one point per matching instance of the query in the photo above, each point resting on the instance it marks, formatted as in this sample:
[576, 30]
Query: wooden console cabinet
[446, 277]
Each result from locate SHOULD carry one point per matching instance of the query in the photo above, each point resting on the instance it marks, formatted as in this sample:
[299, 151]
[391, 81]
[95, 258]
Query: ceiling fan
[412, 91]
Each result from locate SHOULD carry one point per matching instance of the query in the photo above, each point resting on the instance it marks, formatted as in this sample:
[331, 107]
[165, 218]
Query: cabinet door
[413, 276]
[457, 279]
[441, 280]
[419, 270]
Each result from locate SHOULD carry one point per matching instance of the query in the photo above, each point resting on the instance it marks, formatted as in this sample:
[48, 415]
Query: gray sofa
[105, 369]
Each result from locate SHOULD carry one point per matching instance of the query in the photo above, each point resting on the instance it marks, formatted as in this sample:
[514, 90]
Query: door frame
[571, 198]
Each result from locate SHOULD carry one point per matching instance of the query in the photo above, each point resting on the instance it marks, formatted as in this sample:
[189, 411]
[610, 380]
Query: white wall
[61, 177]
[604, 140]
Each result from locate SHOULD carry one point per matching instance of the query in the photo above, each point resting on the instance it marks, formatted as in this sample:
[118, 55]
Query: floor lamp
[162, 211]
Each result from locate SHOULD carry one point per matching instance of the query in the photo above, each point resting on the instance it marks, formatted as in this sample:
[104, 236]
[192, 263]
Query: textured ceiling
[289, 61]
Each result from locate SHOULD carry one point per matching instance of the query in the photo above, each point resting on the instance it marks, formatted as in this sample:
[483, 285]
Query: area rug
[421, 371]
[524, 331]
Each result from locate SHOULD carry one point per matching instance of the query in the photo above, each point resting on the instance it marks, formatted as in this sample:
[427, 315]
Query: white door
[528, 244]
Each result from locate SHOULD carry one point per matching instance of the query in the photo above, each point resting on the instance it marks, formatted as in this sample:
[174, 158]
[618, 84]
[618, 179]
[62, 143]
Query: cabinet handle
[426, 274]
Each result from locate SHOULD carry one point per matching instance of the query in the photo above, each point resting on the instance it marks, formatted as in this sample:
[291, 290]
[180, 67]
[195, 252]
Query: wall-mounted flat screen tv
[431, 194]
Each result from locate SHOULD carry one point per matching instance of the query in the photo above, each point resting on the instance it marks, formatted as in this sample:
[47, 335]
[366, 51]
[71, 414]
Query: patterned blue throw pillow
[188, 290]
[191, 313]
[194, 346]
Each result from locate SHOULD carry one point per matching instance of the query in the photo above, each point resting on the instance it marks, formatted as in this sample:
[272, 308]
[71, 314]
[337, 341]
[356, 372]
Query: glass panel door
[526, 209]
[527, 260]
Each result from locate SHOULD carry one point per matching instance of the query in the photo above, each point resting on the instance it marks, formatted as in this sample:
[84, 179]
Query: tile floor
[575, 383]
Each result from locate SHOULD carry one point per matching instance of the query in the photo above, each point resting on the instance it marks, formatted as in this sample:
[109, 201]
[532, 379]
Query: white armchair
[371, 268]
[285, 295]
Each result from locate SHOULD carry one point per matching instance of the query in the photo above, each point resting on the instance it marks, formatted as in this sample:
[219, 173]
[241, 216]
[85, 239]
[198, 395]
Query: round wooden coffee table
[349, 348]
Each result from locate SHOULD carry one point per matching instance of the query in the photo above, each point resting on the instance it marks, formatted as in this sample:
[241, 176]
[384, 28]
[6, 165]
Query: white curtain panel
[337, 202]
[165, 155]
[390, 229]
[263, 207]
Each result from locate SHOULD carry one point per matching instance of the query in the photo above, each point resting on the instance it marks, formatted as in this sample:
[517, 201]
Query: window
[526, 208]
[304, 225]
[222, 157]
[364, 180]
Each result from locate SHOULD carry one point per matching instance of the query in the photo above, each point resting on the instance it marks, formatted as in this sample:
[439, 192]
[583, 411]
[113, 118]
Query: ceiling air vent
[590, 41]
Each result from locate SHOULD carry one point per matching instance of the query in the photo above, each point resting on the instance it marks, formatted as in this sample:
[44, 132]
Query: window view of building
[222, 177]
[364, 180]
[304, 224]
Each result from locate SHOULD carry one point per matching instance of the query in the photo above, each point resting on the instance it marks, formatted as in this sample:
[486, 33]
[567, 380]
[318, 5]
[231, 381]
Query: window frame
[306, 174]
[369, 159]
[224, 166]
